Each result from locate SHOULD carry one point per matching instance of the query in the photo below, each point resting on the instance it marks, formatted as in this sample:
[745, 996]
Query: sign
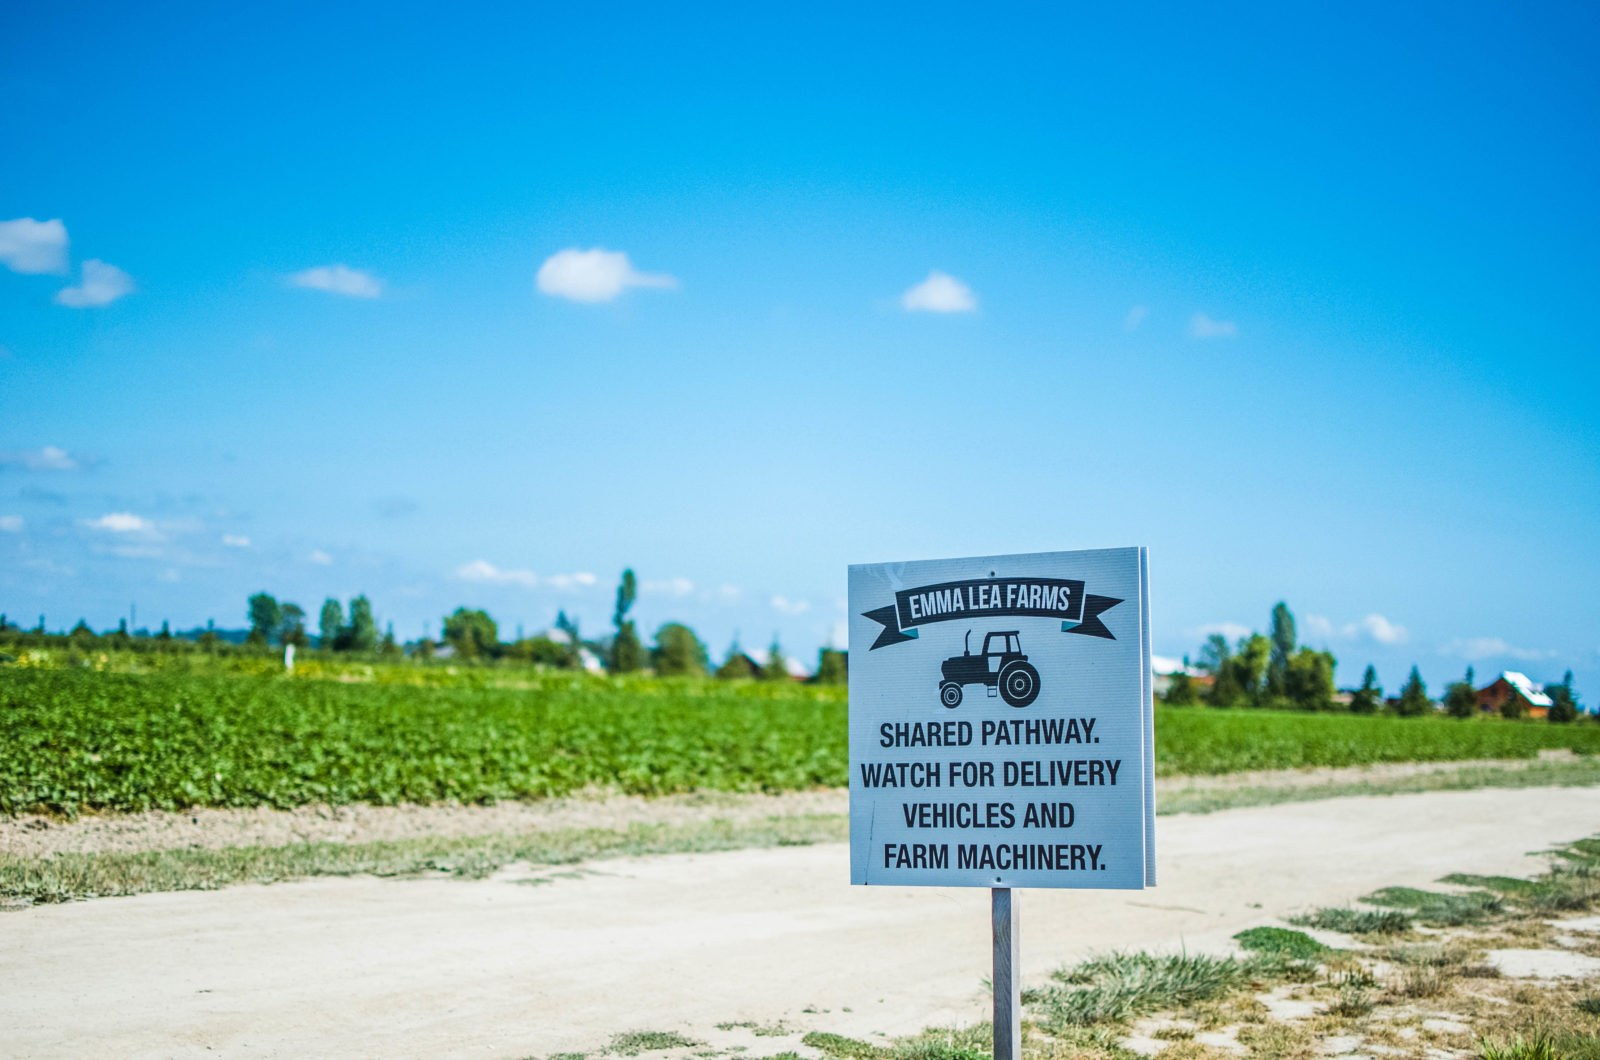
[1001, 722]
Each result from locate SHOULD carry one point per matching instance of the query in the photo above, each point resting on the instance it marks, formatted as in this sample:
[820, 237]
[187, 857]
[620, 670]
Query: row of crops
[72, 740]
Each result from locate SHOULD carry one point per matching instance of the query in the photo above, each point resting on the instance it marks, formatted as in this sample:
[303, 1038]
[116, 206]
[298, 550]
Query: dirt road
[510, 967]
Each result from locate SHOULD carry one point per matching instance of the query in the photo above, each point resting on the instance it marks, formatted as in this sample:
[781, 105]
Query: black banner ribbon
[1061, 598]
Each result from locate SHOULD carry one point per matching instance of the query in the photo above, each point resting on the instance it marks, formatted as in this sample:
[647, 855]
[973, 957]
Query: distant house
[1494, 696]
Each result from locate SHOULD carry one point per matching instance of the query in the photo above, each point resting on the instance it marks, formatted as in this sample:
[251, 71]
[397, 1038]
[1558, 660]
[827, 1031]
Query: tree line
[1275, 670]
[471, 635]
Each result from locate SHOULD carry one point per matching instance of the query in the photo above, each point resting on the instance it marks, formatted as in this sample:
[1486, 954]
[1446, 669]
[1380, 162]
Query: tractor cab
[996, 646]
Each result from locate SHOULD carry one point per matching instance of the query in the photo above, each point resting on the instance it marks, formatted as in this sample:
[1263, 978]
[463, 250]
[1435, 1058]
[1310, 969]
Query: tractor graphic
[1001, 666]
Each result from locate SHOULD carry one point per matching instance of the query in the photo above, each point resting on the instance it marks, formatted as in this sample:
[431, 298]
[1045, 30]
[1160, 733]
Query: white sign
[1001, 722]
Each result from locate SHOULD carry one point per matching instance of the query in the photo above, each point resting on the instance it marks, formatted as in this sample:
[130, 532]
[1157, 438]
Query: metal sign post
[1001, 733]
[1007, 976]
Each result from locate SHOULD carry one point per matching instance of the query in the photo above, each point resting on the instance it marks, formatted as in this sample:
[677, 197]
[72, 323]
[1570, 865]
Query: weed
[1351, 1002]
[839, 1045]
[1437, 909]
[1421, 981]
[633, 1043]
[1118, 986]
[1590, 1005]
[1283, 942]
[1540, 1047]
[1356, 921]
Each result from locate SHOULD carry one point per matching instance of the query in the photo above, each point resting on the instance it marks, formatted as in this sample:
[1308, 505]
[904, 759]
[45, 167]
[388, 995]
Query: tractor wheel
[950, 694]
[1019, 684]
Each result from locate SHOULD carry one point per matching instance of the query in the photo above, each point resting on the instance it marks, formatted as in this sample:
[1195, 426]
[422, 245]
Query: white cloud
[121, 523]
[1134, 318]
[939, 293]
[595, 275]
[1475, 648]
[11, 524]
[319, 557]
[578, 580]
[729, 593]
[339, 279]
[47, 459]
[1231, 630]
[484, 572]
[1382, 630]
[101, 284]
[33, 246]
[1374, 627]
[790, 607]
[670, 587]
[1203, 327]
[235, 541]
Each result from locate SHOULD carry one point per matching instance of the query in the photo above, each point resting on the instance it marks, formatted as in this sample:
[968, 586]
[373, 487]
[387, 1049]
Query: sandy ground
[513, 967]
[36, 836]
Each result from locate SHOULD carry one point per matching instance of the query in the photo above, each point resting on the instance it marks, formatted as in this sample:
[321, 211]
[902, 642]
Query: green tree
[678, 651]
[1369, 697]
[1461, 698]
[471, 633]
[776, 667]
[362, 632]
[1414, 701]
[265, 617]
[1308, 680]
[1282, 650]
[1239, 678]
[1180, 691]
[389, 646]
[1216, 659]
[329, 624]
[166, 631]
[1563, 701]
[833, 667]
[627, 651]
[1214, 654]
[292, 627]
[737, 664]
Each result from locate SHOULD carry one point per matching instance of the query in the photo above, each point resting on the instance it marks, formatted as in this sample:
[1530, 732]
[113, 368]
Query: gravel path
[366, 967]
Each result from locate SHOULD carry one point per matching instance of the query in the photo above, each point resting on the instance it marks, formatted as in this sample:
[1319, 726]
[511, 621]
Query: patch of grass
[1569, 886]
[1437, 909]
[632, 1043]
[948, 1043]
[1539, 1047]
[1590, 1005]
[1283, 942]
[68, 877]
[839, 1045]
[1584, 772]
[1116, 987]
[1356, 921]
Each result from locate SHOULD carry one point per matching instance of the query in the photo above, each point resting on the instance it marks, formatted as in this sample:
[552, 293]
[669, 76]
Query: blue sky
[480, 310]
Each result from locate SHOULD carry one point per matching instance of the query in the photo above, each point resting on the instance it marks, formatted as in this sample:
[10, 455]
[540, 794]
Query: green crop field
[73, 740]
